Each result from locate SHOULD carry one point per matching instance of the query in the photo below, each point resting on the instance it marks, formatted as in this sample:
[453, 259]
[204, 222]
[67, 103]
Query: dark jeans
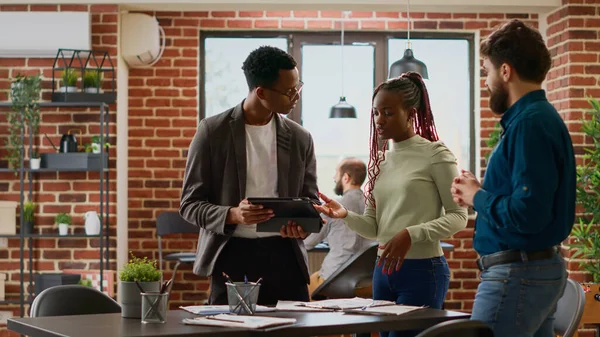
[271, 258]
[419, 282]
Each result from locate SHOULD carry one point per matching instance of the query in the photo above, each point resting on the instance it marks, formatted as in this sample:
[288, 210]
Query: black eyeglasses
[292, 93]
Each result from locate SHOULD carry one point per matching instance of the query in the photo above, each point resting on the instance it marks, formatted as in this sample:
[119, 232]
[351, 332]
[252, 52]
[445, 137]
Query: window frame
[380, 40]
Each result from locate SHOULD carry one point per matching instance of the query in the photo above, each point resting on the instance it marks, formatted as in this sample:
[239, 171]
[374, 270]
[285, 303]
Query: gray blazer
[215, 179]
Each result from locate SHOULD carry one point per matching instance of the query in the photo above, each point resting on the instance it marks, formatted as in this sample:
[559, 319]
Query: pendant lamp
[342, 109]
[408, 62]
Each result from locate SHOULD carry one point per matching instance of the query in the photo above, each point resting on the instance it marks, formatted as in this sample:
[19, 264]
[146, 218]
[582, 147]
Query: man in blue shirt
[526, 205]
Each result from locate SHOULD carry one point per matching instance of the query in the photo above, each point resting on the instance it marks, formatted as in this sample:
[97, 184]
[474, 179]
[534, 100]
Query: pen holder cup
[242, 297]
[154, 307]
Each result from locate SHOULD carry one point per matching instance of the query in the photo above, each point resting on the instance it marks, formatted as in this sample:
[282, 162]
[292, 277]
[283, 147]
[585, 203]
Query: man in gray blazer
[251, 151]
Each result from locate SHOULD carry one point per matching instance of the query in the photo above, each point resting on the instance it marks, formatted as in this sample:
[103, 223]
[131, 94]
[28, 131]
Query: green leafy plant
[141, 270]
[25, 111]
[34, 154]
[70, 77]
[62, 218]
[28, 211]
[85, 283]
[585, 234]
[92, 79]
[95, 140]
[493, 140]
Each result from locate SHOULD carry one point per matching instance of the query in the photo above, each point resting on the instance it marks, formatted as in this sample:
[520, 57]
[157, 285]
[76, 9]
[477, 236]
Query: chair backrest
[569, 309]
[173, 223]
[72, 300]
[342, 283]
[458, 328]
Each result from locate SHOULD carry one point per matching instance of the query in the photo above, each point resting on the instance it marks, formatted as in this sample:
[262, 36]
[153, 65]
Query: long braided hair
[414, 95]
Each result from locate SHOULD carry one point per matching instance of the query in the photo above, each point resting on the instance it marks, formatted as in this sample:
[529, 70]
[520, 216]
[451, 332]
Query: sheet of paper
[237, 321]
[384, 310]
[218, 309]
[346, 303]
[297, 306]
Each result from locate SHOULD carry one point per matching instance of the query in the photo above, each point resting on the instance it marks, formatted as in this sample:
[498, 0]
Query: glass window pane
[224, 82]
[449, 89]
[322, 75]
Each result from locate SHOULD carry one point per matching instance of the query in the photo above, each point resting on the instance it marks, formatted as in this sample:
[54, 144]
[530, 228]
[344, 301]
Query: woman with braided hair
[409, 204]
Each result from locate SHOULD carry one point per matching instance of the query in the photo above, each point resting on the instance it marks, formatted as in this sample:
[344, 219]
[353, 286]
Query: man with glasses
[251, 151]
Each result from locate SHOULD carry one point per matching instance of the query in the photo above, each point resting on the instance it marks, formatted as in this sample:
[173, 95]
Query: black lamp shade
[342, 110]
[406, 64]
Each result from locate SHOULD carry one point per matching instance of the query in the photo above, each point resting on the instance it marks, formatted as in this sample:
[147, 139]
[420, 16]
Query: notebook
[237, 321]
[217, 309]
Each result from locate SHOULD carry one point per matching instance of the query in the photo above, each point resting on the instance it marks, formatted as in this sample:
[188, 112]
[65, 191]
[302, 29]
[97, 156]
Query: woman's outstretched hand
[331, 208]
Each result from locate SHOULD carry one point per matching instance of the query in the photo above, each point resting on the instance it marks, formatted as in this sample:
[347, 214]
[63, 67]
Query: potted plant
[585, 235]
[25, 111]
[85, 283]
[92, 81]
[35, 160]
[28, 213]
[63, 221]
[69, 80]
[94, 145]
[137, 273]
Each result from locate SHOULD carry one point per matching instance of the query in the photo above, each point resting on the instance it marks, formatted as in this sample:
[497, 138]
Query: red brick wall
[70, 192]
[164, 108]
[573, 41]
[163, 114]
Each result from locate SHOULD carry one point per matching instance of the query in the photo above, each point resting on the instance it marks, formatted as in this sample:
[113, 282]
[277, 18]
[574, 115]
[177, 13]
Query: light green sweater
[412, 191]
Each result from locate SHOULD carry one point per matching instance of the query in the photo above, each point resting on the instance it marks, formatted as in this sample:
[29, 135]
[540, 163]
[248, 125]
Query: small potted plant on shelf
[63, 221]
[92, 81]
[137, 273]
[94, 146]
[28, 213]
[35, 160]
[69, 80]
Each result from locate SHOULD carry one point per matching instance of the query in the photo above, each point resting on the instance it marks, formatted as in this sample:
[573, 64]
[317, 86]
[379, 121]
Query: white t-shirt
[261, 170]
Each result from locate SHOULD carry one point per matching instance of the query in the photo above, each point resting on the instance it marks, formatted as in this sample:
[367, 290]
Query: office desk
[309, 324]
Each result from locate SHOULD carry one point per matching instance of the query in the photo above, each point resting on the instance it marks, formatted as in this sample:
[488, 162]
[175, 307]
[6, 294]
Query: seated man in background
[343, 242]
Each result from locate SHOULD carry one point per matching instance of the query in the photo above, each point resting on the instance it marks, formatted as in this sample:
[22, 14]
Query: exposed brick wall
[164, 108]
[573, 32]
[163, 112]
[70, 192]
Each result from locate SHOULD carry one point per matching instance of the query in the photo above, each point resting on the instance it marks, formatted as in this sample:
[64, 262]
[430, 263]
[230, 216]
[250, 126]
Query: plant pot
[34, 163]
[63, 229]
[67, 89]
[91, 90]
[27, 227]
[96, 148]
[131, 298]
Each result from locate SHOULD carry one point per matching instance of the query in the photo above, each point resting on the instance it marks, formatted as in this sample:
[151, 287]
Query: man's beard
[338, 189]
[498, 99]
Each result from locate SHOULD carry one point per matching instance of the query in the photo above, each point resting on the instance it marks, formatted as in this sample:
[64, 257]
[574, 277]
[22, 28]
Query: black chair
[458, 328]
[344, 282]
[72, 300]
[569, 309]
[172, 223]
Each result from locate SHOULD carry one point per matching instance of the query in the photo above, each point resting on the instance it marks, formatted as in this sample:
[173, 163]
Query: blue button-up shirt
[528, 197]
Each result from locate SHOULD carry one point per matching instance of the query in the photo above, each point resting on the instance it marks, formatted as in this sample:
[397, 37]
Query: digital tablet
[299, 210]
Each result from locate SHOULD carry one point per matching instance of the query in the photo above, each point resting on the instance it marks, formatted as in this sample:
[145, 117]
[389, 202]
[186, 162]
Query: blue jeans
[519, 299]
[419, 282]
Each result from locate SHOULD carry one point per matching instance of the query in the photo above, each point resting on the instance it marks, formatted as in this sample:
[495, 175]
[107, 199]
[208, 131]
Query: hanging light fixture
[342, 109]
[408, 62]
